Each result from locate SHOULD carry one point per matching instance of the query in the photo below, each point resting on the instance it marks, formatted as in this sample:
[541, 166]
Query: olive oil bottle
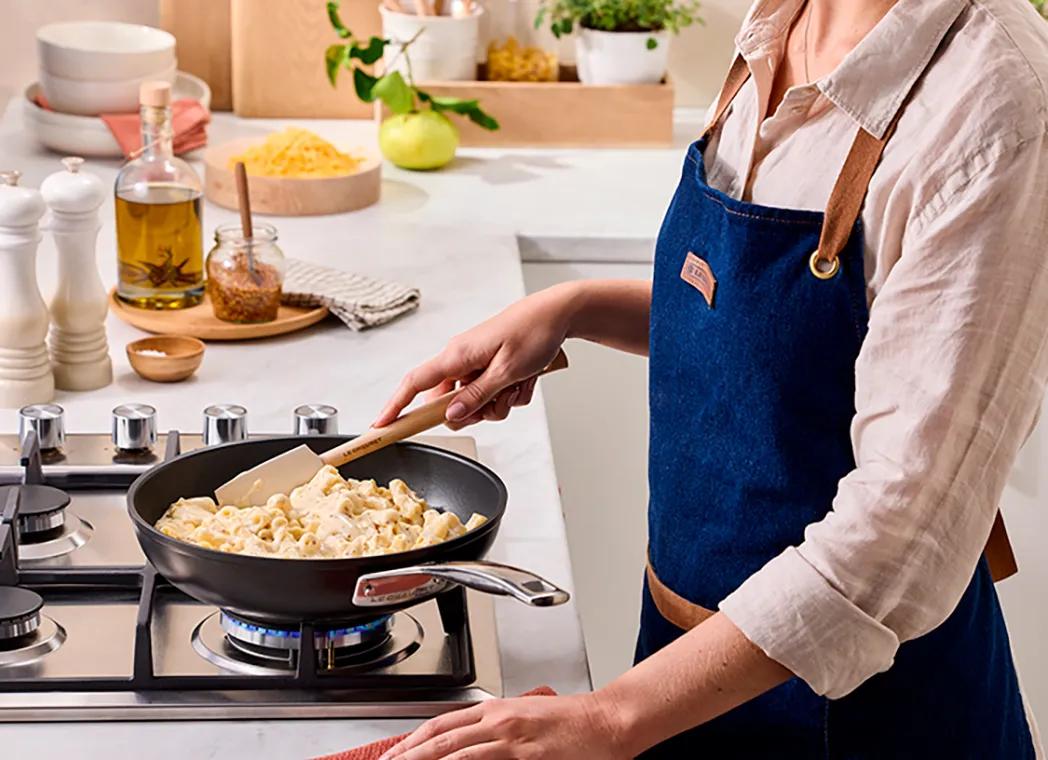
[159, 235]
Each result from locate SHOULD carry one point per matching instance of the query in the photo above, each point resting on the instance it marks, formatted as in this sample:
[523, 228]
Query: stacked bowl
[89, 68]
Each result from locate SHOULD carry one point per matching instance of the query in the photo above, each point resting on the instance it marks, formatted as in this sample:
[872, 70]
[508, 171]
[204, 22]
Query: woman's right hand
[490, 360]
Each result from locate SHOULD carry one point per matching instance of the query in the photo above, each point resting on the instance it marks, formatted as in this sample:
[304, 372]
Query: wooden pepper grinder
[79, 349]
[25, 370]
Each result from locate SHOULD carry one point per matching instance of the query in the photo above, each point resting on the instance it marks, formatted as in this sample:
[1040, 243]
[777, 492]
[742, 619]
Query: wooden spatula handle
[419, 420]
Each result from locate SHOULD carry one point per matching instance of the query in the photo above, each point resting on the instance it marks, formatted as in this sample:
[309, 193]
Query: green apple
[420, 140]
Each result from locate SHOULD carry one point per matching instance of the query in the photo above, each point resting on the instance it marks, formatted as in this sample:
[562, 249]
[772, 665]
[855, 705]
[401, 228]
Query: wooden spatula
[297, 466]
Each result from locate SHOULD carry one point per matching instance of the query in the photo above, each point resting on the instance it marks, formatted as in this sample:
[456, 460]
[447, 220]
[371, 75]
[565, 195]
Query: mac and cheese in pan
[328, 517]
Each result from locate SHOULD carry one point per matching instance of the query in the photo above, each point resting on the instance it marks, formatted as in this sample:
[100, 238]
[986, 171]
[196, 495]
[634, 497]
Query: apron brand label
[698, 274]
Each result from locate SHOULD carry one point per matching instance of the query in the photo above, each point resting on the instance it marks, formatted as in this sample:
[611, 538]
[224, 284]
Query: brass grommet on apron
[822, 268]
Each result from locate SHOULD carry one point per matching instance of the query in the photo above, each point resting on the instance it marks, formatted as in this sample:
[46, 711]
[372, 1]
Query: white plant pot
[445, 51]
[621, 57]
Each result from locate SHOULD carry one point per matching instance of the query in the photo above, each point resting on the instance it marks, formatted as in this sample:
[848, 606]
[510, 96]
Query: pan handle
[405, 583]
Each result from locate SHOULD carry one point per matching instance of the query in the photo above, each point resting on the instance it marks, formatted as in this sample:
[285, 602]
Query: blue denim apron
[752, 384]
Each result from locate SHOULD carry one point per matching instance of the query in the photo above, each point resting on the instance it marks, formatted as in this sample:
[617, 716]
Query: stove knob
[316, 419]
[47, 420]
[224, 423]
[134, 427]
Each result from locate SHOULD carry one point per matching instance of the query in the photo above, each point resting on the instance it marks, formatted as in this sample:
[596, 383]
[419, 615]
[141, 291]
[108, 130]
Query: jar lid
[19, 206]
[73, 191]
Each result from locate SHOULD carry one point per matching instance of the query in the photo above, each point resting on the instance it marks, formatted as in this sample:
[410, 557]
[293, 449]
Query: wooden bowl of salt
[165, 358]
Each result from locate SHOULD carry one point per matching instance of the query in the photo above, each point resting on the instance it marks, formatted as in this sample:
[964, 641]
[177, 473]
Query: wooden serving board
[200, 322]
[288, 196]
[278, 58]
[563, 114]
[202, 32]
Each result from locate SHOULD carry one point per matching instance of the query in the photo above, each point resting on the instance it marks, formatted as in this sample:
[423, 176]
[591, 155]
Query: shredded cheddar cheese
[296, 152]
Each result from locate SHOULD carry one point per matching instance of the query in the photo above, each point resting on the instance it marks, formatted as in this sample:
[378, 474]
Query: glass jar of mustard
[245, 276]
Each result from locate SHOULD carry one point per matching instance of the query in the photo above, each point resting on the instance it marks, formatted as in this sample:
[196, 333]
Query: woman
[836, 399]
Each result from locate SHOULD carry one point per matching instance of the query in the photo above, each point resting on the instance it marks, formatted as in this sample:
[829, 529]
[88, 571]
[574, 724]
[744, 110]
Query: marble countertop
[458, 235]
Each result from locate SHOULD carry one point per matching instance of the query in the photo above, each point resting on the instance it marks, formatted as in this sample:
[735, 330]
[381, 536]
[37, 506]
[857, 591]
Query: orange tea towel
[189, 120]
[374, 750]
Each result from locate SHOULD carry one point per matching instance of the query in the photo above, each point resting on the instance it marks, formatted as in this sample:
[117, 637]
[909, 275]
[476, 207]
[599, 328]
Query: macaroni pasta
[328, 517]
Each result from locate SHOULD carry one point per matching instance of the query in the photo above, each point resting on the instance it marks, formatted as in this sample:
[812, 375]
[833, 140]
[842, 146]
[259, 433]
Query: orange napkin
[189, 119]
[374, 750]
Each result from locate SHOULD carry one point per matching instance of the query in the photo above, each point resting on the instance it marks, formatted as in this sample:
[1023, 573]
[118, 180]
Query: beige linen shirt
[952, 373]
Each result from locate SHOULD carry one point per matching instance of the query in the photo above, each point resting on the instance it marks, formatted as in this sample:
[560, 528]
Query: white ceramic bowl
[102, 51]
[84, 98]
[88, 135]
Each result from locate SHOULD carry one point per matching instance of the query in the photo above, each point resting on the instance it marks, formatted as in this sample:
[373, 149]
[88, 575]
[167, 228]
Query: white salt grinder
[79, 349]
[25, 371]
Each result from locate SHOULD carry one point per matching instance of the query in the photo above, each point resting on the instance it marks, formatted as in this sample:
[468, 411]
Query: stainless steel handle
[405, 583]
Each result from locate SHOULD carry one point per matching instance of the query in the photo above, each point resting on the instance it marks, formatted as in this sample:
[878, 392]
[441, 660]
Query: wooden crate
[564, 114]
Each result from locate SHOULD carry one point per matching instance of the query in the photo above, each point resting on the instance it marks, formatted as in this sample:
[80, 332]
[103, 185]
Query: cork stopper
[155, 94]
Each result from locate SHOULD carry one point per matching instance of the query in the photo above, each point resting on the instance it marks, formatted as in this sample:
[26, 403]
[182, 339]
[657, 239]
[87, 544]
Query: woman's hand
[524, 728]
[491, 359]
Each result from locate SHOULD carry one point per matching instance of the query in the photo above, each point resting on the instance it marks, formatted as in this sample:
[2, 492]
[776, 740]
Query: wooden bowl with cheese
[293, 173]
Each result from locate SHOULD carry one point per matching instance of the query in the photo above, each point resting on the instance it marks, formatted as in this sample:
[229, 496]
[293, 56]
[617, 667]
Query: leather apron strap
[842, 212]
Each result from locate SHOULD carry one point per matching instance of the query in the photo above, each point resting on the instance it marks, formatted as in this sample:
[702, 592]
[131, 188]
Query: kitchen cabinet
[598, 419]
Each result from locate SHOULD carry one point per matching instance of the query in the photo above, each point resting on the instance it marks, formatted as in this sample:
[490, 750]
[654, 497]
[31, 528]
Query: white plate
[88, 135]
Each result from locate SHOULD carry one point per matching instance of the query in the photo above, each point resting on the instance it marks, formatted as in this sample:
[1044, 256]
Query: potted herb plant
[418, 134]
[619, 41]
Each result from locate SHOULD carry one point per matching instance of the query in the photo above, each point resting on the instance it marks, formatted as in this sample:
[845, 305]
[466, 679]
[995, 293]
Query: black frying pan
[290, 591]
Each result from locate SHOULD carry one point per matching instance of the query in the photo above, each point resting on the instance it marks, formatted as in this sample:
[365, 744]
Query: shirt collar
[874, 79]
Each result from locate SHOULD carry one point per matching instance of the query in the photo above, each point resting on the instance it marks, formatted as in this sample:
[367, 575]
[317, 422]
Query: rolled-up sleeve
[949, 383]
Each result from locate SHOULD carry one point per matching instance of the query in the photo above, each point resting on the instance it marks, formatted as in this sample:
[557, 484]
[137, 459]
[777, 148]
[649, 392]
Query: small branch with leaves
[399, 95]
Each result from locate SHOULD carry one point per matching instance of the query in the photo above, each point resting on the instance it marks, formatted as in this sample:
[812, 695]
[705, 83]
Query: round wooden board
[284, 196]
[200, 322]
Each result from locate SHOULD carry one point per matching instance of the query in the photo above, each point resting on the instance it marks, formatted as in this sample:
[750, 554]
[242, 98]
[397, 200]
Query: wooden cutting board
[278, 58]
[201, 28]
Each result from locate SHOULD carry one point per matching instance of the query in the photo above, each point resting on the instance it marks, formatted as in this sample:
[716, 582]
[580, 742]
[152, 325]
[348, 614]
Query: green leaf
[394, 92]
[336, 22]
[364, 84]
[468, 108]
[334, 59]
[652, 43]
[375, 47]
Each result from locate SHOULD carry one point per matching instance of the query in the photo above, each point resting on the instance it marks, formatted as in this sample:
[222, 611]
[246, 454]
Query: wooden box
[565, 114]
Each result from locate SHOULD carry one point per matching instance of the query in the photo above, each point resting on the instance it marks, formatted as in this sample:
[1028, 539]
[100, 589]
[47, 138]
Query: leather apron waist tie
[686, 615]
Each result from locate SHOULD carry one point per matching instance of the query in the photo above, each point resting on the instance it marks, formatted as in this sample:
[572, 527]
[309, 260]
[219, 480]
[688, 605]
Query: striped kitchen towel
[359, 301]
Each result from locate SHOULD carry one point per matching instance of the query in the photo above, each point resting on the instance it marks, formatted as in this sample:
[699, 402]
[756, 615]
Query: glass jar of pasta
[245, 276]
[511, 56]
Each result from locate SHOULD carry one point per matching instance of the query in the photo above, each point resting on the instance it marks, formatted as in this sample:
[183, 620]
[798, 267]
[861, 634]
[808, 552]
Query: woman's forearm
[611, 312]
[701, 675]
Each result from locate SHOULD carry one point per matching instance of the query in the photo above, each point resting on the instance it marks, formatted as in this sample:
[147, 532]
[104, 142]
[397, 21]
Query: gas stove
[89, 630]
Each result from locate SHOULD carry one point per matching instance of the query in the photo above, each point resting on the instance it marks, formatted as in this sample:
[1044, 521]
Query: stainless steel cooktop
[88, 631]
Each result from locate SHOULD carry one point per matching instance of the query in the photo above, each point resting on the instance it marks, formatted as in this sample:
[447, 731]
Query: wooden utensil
[246, 228]
[297, 466]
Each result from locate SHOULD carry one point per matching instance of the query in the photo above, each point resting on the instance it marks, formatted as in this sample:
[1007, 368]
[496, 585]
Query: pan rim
[185, 547]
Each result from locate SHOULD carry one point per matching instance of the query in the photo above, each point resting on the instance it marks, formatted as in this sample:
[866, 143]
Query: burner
[342, 637]
[41, 510]
[237, 645]
[19, 612]
[72, 534]
[32, 646]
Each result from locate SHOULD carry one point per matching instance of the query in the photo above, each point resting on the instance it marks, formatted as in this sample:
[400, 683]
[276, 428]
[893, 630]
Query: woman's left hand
[524, 728]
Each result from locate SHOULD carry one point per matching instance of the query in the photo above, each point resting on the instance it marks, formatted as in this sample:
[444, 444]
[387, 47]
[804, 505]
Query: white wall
[22, 17]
